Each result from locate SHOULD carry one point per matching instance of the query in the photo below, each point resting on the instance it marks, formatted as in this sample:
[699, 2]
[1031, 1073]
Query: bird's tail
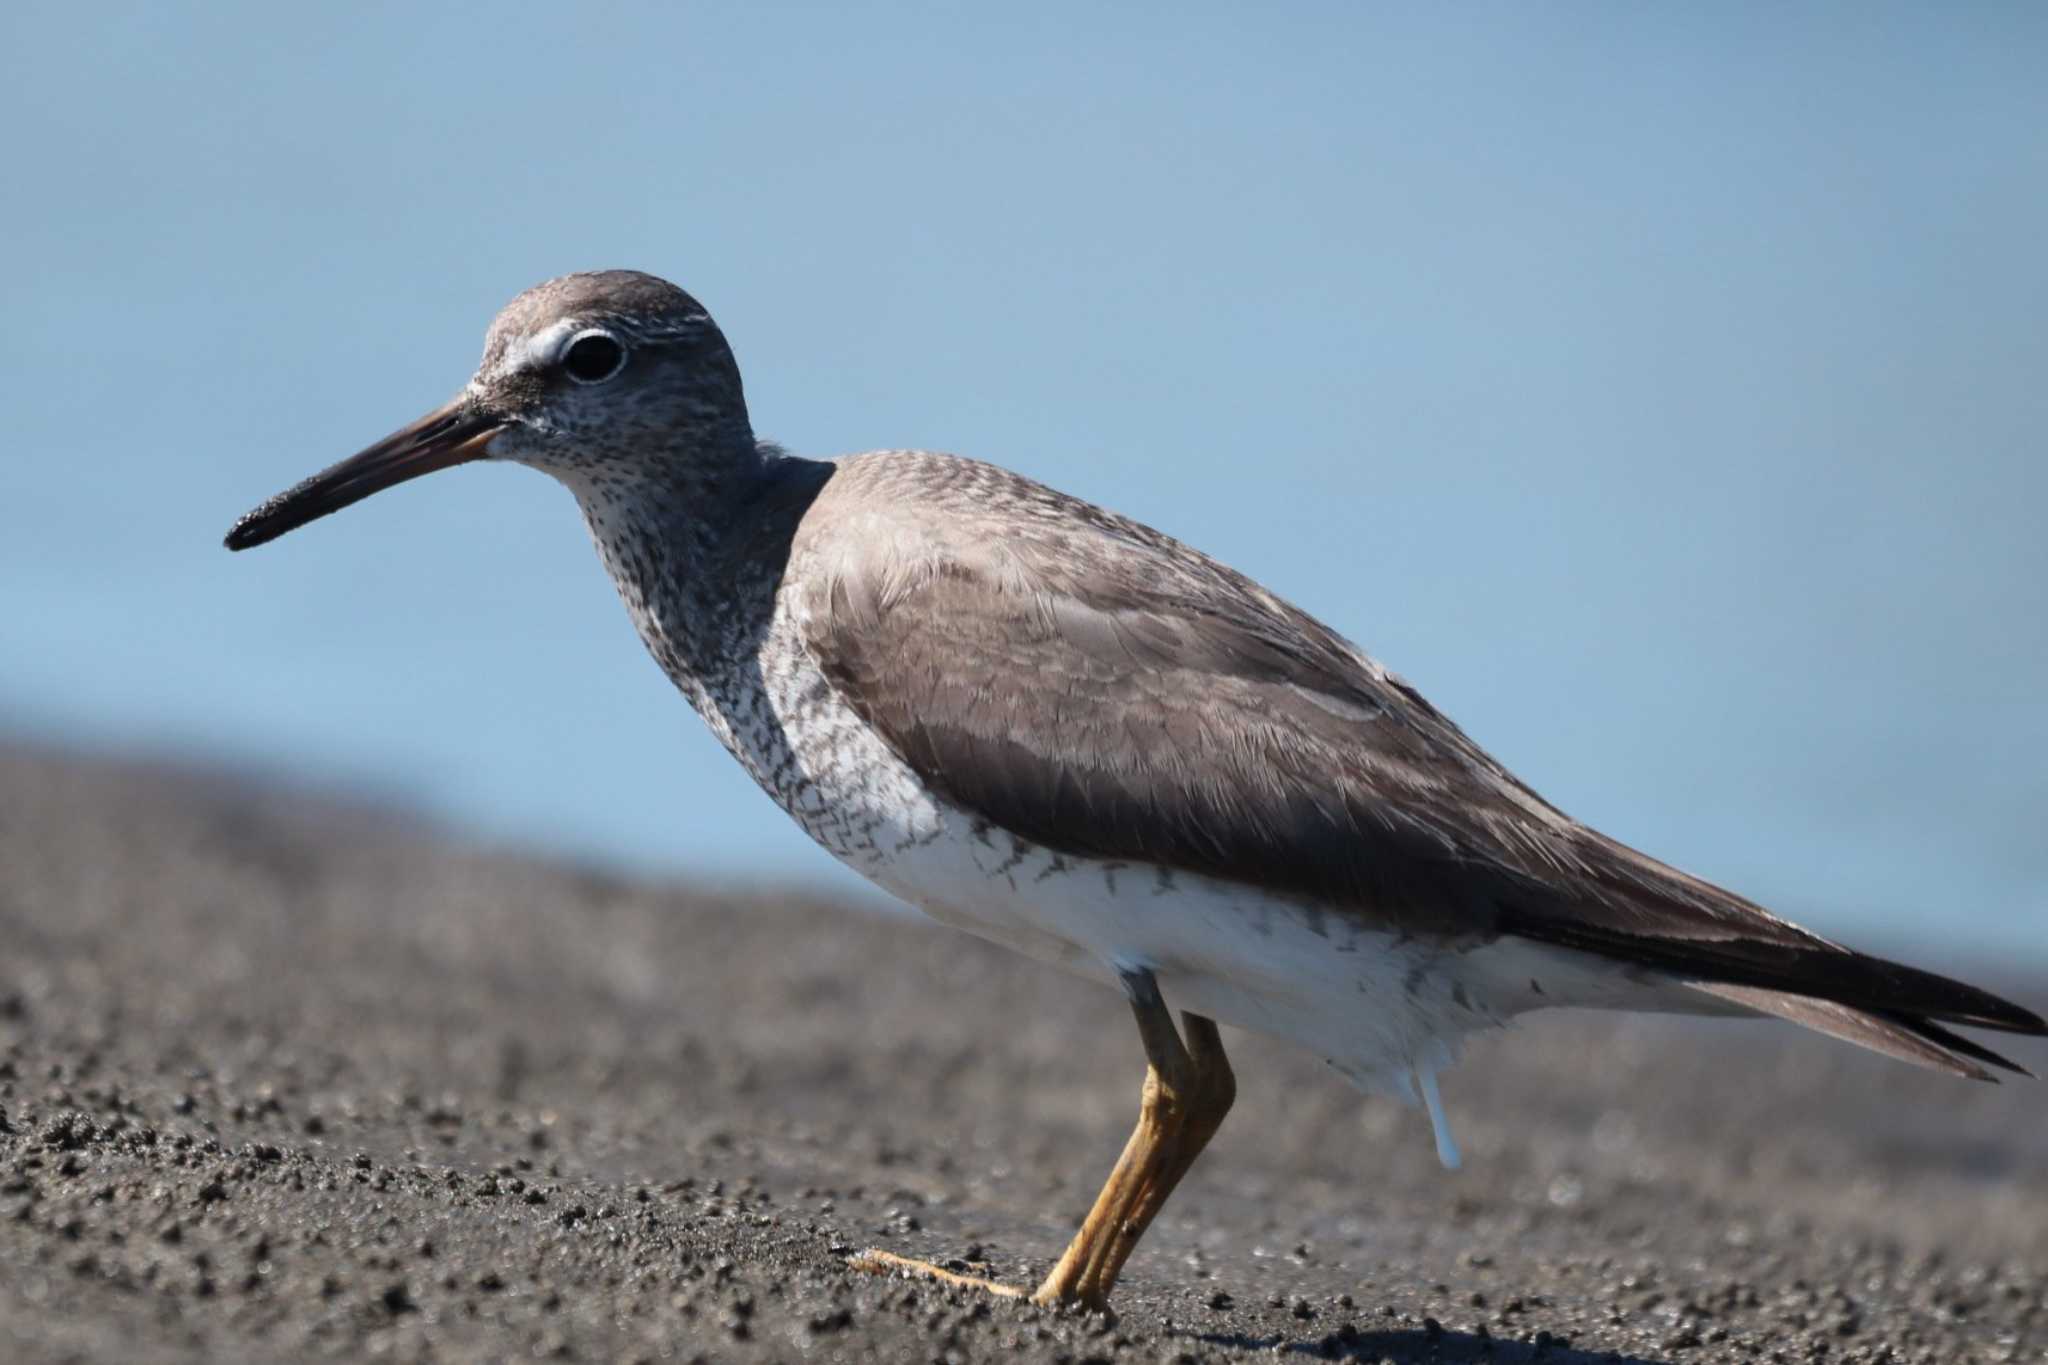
[1908, 1037]
[1643, 913]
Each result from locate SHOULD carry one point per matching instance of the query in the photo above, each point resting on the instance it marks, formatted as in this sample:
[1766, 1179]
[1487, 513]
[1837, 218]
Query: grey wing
[1101, 690]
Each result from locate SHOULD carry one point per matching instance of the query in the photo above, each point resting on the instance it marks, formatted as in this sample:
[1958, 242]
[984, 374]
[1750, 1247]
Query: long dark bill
[447, 436]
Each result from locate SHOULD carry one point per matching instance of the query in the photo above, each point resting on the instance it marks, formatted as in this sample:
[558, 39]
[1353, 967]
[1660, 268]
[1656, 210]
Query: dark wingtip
[2032, 1022]
[1966, 1047]
[2007, 1017]
[1815, 970]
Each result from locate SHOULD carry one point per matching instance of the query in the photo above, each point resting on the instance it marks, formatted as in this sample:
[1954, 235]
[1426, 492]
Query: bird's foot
[877, 1262]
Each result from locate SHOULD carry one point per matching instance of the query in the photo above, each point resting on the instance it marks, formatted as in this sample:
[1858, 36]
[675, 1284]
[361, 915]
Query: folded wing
[1102, 690]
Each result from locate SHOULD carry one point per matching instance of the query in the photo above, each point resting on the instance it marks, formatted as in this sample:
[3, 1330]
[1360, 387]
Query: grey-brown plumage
[1100, 689]
[1055, 726]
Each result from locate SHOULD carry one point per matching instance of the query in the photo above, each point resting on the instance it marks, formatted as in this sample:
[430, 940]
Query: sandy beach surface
[283, 1078]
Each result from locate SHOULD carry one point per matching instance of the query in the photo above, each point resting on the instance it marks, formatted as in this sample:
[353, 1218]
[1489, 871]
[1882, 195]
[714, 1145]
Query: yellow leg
[1188, 1089]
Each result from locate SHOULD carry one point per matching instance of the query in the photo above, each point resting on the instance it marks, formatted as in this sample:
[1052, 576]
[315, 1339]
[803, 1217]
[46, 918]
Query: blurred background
[1662, 389]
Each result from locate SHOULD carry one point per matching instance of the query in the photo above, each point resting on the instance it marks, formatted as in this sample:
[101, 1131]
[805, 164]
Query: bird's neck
[693, 551]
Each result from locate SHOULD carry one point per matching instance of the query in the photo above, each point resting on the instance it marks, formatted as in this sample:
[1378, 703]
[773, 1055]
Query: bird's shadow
[1421, 1347]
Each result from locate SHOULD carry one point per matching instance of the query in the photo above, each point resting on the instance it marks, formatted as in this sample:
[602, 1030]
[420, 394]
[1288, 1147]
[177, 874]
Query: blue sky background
[1663, 388]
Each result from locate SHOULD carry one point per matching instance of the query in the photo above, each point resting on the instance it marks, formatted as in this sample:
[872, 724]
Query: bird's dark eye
[593, 358]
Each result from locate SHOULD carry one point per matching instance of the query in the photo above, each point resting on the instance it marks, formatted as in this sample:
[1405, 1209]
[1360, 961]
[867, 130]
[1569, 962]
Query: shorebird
[1061, 730]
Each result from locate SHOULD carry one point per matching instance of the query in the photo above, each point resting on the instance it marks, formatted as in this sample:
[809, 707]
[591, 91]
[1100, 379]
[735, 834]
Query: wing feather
[1100, 689]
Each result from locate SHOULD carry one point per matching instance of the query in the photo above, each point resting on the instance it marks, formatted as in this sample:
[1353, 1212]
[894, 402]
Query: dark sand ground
[282, 1079]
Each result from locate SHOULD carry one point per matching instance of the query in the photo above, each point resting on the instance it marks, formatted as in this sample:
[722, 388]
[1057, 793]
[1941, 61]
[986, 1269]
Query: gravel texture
[283, 1079]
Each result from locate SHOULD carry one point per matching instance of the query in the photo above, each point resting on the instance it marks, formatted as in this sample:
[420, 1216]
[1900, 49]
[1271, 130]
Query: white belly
[1378, 1005]
[1386, 1009]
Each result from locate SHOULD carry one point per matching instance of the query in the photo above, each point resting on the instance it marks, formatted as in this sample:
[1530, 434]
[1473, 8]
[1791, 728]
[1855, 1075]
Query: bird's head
[601, 379]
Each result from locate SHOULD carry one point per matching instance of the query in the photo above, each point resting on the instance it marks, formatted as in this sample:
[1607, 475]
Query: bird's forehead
[531, 329]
